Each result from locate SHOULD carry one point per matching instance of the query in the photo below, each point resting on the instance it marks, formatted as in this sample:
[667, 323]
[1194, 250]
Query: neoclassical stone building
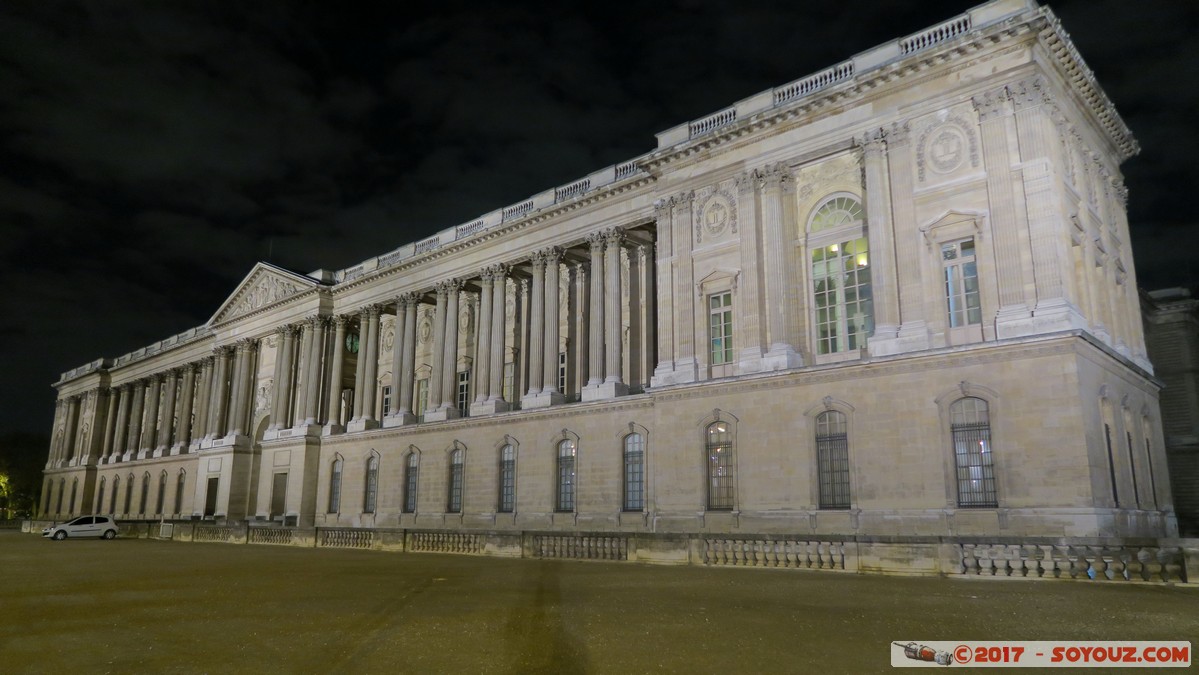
[891, 304]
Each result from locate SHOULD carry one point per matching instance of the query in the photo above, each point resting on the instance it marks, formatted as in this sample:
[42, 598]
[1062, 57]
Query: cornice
[638, 181]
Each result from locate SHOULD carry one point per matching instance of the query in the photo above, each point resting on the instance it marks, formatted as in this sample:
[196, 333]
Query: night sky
[151, 153]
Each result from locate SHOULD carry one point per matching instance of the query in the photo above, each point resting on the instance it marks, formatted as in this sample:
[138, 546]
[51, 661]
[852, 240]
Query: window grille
[116, 487]
[567, 452]
[100, 497]
[372, 485]
[971, 427]
[832, 458]
[335, 487]
[1132, 467]
[410, 477]
[145, 494]
[162, 494]
[720, 467]
[179, 483]
[507, 479]
[1111, 462]
[454, 501]
[634, 472]
[74, 492]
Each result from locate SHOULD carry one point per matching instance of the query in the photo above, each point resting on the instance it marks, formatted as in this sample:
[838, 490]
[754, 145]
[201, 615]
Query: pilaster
[780, 300]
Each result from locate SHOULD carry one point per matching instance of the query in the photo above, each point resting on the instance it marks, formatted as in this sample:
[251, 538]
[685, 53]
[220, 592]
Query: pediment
[953, 224]
[265, 285]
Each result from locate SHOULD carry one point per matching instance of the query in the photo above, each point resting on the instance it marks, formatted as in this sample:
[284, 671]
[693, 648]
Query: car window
[100, 520]
[80, 521]
[86, 521]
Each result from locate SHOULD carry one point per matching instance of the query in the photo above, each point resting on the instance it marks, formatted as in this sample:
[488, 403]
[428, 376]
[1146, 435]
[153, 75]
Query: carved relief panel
[714, 213]
[946, 145]
[814, 182]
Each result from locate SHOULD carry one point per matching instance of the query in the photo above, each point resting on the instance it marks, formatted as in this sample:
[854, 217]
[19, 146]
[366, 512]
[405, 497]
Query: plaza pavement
[145, 606]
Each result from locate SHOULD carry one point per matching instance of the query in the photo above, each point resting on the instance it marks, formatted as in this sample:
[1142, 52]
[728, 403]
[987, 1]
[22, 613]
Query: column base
[399, 419]
[678, 372]
[1014, 321]
[144, 453]
[605, 390]
[307, 429]
[127, 456]
[161, 451]
[749, 361]
[195, 446]
[362, 424]
[543, 399]
[1057, 314]
[332, 430]
[488, 407]
[442, 414]
[178, 449]
[781, 357]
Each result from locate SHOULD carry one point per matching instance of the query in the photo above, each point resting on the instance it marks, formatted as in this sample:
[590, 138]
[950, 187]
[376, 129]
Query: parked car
[83, 526]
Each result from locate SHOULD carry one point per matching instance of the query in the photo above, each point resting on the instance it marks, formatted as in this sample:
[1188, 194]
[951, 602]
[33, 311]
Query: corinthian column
[780, 296]
[545, 331]
[121, 431]
[183, 433]
[333, 425]
[150, 428]
[536, 329]
[880, 234]
[447, 407]
[595, 334]
[483, 340]
[135, 420]
[495, 397]
[167, 415]
[404, 413]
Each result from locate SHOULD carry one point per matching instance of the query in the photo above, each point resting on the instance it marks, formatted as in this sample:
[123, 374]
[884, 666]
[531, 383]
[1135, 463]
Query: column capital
[614, 236]
[746, 182]
[410, 298]
[993, 104]
[596, 240]
[873, 143]
[1030, 93]
[899, 133]
[773, 176]
[682, 199]
[662, 210]
[447, 286]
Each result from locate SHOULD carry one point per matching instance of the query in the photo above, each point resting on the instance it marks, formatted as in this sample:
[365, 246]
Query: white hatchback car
[83, 526]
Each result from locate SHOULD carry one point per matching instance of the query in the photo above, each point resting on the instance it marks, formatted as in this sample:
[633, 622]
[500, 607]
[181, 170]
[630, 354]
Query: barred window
[410, 476]
[162, 493]
[74, 492]
[634, 472]
[49, 496]
[970, 423]
[507, 479]
[720, 466]
[100, 497]
[567, 452]
[372, 485]
[832, 459]
[145, 493]
[454, 500]
[179, 483]
[335, 487]
[62, 490]
[129, 494]
[112, 501]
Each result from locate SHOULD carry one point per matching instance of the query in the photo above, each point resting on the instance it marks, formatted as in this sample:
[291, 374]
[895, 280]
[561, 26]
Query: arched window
[162, 493]
[116, 487]
[720, 466]
[145, 493]
[411, 474]
[842, 296]
[970, 423]
[129, 494]
[507, 479]
[832, 459]
[567, 451]
[634, 472]
[62, 490]
[49, 495]
[454, 498]
[74, 492]
[179, 483]
[100, 496]
[372, 485]
[335, 486]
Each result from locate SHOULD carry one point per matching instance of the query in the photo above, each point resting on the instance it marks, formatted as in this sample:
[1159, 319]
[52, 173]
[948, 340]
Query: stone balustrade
[937, 34]
[347, 538]
[445, 542]
[580, 547]
[1096, 563]
[788, 553]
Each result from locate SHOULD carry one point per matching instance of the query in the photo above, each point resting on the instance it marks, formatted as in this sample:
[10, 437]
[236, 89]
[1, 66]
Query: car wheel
[110, 534]
[60, 535]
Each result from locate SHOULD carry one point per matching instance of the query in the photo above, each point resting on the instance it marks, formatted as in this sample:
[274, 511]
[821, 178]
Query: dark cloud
[150, 153]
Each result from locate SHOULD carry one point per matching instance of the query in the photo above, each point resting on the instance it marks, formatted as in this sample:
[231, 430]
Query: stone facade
[1172, 336]
[889, 303]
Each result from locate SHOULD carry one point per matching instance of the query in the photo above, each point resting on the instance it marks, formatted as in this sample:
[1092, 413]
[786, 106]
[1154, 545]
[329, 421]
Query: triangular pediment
[265, 285]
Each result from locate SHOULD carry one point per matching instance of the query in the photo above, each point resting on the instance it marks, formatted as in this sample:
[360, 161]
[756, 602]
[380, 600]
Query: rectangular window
[464, 393]
[454, 501]
[335, 488]
[410, 483]
[720, 332]
[842, 296]
[386, 401]
[566, 476]
[970, 425]
[422, 398]
[278, 496]
[832, 459]
[962, 304]
[634, 472]
[562, 372]
[1132, 468]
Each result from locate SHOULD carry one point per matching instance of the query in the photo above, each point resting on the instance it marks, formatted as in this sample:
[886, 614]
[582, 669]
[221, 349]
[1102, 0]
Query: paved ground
[136, 606]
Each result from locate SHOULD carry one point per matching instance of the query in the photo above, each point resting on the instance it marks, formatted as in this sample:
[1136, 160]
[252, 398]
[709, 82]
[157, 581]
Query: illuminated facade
[883, 310]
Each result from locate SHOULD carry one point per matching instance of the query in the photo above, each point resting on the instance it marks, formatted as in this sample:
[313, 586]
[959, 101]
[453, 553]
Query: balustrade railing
[937, 34]
[795, 553]
[581, 547]
[347, 538]
[1096, 563]
[446, 542]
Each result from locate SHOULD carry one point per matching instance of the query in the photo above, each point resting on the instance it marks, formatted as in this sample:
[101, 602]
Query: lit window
[454, 500]
[961, 284]
[464, 393]
[422, 398]
[634, 472]
[720, 466]
[840, 266]
[970, 423]
[410, 477]
[507, 479]
[566, 475]
[372, 485]
[832, 459]
[720, 332]
[335, 487]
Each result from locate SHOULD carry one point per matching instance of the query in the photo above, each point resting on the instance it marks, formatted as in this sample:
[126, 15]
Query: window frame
[336, 471]
[833, 468]
[411, 482]
[507, 479]
[566, 468]
[850, 232]
[370, 488]
[455, 482]
[633, 495]
[964, 435]
[720, 492]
